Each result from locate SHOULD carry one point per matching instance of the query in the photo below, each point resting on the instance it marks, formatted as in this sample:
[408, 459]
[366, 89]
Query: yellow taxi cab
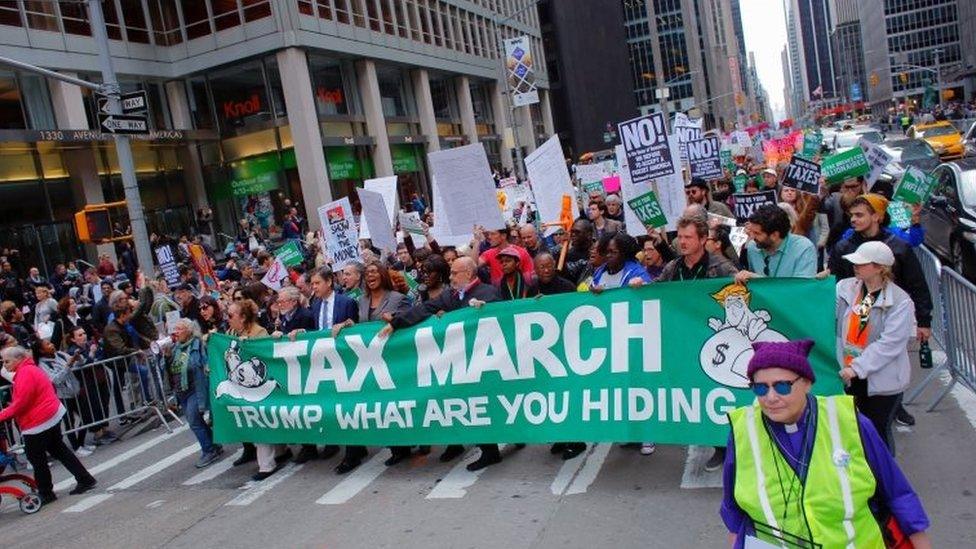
[942, 136]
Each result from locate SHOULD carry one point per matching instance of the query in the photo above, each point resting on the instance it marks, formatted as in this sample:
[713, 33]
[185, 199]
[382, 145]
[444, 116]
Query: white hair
[190, 325]
[290, 292]
[14, 354]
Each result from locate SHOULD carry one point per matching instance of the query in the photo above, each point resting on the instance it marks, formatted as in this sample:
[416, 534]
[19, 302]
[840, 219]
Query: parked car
[943, 136]
[969, 140]
[906, 153]
[848, 139]
[949, 217]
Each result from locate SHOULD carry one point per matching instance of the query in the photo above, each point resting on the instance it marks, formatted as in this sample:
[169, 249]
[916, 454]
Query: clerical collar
[791, 427]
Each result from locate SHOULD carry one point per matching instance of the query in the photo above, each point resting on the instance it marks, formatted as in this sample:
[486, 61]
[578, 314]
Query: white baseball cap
[872, 252]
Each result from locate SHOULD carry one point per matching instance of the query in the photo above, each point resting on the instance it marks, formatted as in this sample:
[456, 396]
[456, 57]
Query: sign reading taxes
[803, 175]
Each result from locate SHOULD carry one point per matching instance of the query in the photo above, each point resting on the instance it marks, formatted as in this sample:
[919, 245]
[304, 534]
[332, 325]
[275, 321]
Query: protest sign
[811, 143]
[877, 159]
[167, 264]
[704, 158]
[664, 362]
[340, 243]
[550, 179]
[469, 183]
[441, 231]
[277, 273]
[290, 254]
[508, 181]
[746, 204]
[648, 210]
[629, 191]
[611, 184]
[594, 187]
[387, 187]
[738, 237]
[739, 182]
[201, 263]
[900, 214]
[850, 163]
[803, 175]
[686, 130]
[374, 212]
[726, 156]
[742, 139]
[588, 173]
[915, 187]
[721, 219]
[411, 225]
[645, 140]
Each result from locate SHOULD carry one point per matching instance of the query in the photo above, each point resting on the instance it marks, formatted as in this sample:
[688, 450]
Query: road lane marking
[590, 469]
[214, 470]
[123, 457]
[454, 485]
[569, 470]
[155, 504]
[133, 479]
[695, 476]
[358, 479]
[258, 489]
[87, 503]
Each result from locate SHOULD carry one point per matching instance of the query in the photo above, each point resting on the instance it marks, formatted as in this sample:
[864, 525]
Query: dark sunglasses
[782, 388]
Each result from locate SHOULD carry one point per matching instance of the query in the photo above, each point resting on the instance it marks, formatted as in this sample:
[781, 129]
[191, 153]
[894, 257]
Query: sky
[764, 26]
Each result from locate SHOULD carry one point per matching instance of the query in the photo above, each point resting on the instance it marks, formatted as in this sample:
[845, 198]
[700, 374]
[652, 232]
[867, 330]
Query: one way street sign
[123, 124]
[130, 102]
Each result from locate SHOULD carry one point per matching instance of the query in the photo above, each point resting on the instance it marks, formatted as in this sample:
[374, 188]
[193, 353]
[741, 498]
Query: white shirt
[325, 312]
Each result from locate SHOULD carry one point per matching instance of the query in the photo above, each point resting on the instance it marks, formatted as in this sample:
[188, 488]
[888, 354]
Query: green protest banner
[900, 214]
[593, 187]
[739, 182]
[915, 187]
[664, 362]
[290, 254]
[648, 210]
[837, 167]
[725, 156]
[811, 143]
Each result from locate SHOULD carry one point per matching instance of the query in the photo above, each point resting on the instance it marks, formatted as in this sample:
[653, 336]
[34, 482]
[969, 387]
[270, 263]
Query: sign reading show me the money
[664, 362]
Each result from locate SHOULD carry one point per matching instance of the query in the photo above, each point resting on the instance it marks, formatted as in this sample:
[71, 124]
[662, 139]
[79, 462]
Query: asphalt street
[150, 495]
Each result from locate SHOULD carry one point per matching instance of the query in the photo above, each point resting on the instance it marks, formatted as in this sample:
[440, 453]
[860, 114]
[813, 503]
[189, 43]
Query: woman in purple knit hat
[810, 471]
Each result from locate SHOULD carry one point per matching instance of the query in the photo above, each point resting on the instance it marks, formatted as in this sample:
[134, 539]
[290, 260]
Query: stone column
[369, 91]
[179, 109]
[462, 88]
[545, 105]
[499, 108]
[425, 109]
[526, 129]
[305, 134]
[86, 185]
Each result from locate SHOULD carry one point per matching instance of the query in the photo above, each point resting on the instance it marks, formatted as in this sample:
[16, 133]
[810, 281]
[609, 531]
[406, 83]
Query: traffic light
[93, 225]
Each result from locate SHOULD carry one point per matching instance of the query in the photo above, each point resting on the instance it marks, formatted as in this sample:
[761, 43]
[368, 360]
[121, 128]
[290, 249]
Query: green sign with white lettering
[647, 208]
[664, 362]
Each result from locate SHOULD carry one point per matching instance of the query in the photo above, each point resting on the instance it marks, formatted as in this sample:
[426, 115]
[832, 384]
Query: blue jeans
[194, 416]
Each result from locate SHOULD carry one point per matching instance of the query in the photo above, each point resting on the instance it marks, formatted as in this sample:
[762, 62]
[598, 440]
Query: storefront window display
[240, 96]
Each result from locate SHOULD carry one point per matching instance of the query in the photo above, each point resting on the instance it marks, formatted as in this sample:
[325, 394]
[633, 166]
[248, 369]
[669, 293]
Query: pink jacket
[34, 400]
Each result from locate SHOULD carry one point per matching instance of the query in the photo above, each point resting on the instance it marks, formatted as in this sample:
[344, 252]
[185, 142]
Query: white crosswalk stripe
[133, 479]
[214, 470]
[695, 476]
[456, 483]
[258, 489]
[590, 469]
[123, 457]
[358, 479]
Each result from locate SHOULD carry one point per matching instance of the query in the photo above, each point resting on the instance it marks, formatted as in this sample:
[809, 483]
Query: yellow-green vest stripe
[839, 479]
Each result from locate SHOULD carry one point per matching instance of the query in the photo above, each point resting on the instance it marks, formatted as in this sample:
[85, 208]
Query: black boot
[306, 454]
[400, 453]
[489, 456]
[451, 452]
[573, 449]
[250, 454]
[329, 451]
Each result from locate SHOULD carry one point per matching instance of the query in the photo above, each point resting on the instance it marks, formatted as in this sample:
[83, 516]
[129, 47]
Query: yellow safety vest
[831, 507]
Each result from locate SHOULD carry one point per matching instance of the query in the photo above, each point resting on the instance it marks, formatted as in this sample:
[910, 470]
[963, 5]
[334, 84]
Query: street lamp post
[519, 173]
[938, 74]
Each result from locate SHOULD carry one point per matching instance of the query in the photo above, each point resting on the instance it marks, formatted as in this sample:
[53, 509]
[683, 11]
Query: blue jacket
[631, 269]
[343, 308]
[915, 235]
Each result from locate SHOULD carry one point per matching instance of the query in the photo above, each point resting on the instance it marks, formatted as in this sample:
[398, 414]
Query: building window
[195, 18]
[256, 9]
[225, 14]
[327, 86]
[442, 98]
[165, 22]
[199, 102]
[342, 11]
[393, 93]
[240, 95]
[134, 18]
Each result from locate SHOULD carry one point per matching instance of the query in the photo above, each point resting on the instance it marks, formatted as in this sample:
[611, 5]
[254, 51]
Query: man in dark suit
[293, 318]
[328, 309]
[466, 290]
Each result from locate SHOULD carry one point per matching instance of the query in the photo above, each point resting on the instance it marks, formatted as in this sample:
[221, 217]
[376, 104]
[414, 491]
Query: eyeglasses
[782, 388]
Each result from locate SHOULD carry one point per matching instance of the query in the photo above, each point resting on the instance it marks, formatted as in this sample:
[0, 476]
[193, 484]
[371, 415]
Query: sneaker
[716, 461]
[902, 417]
[81, 451]
[207, 459]
[647, 448]
[484, 461]
[261, 475]
[89, 447]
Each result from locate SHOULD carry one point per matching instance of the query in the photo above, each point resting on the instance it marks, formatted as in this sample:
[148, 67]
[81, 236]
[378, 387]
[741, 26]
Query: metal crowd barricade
[932, 269]
[959, 297]
[8, 429]
[122, 388]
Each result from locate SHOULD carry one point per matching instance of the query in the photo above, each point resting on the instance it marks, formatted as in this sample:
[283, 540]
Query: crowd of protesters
[75, 318]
